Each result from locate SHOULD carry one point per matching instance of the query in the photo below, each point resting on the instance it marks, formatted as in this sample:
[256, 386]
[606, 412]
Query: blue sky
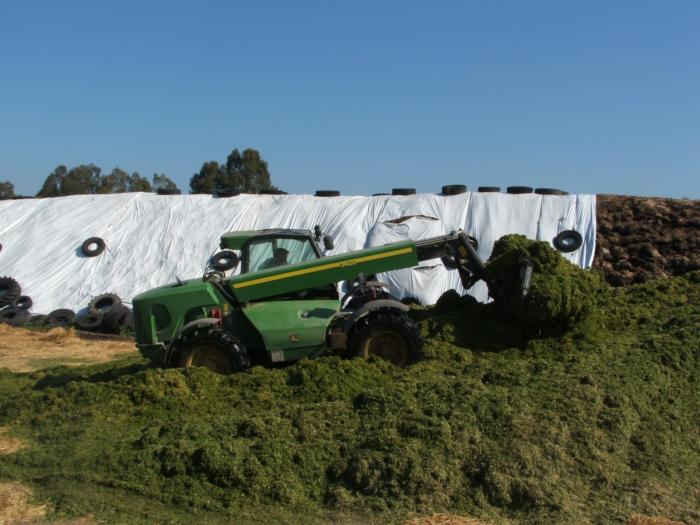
[587, 96]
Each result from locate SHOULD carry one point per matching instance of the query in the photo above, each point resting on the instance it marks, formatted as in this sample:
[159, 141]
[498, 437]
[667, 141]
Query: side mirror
[328, 242]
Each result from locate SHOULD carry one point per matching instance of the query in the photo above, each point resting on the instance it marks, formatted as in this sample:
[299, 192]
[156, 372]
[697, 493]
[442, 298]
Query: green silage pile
[560, 292]
[587, 425]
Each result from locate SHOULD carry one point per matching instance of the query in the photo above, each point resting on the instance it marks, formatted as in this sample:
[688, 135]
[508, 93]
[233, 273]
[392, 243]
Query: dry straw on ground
[23, 350]
[8, 444]
[15, 505]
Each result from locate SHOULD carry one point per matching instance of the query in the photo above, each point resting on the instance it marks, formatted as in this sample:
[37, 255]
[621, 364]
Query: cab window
[271, 253]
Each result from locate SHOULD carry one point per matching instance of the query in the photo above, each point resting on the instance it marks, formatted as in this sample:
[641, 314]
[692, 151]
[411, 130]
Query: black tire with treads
[9, 290]
[454, 189]
[93, 246]
[519, 190]
[127, 320]
[14, 316]
[112, 318]
[90, 321]
[104, 303]
[568, 241]
[550, 191]
[386, 321]
[489, 189]
[212, 348]
[61, 317]
[224, 260]
[23, 302]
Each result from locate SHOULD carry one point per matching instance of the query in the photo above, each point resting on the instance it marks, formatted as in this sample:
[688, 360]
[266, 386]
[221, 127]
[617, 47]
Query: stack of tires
[105, 314]
[14, 307]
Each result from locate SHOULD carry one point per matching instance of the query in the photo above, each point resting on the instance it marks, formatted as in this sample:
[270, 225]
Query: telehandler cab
[285, 304]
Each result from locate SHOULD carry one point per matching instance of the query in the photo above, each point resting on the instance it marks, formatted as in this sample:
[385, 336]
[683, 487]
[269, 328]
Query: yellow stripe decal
[330, 266]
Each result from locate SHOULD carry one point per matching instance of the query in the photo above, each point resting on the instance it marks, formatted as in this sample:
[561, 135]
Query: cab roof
[235, 240]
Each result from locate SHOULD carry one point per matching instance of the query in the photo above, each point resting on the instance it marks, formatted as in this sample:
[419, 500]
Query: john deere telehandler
[285, 303]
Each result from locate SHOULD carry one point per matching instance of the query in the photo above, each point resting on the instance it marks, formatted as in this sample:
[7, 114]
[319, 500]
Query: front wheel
[387, 334]
[214, 349]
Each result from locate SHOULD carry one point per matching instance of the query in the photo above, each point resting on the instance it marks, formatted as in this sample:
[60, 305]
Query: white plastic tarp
[152, 240]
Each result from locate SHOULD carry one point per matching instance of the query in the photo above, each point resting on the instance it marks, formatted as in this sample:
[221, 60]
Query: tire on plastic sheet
[104, 303]
[92, 246]
[61, 317]
[9, 290]
[23, 302]
[90, 321]
[14, 316]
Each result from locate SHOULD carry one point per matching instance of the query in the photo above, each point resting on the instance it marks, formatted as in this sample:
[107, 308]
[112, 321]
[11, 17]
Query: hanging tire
[61, 317]
[568, 241]
[92, 247]
[23, 302]
[518, 190]
[168, 191]
[327, 193]
[104, 303]
[388, 334]
[550, 191]
[226, 192]
[9, 290]
[213, 348]
[454, 189]
[90, 321]
[224, 260]
[403, 191]
[489, 189]
[14, 316]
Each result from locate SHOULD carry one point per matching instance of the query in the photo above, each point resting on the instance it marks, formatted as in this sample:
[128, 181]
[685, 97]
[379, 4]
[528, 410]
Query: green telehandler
[285, 305]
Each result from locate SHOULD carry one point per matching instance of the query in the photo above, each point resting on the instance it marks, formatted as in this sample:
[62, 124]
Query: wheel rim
[211, 357]
[388, 345]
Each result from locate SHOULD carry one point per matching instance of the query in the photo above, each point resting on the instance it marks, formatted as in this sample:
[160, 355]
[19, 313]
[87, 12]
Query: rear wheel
[387, 334]
[214, 349]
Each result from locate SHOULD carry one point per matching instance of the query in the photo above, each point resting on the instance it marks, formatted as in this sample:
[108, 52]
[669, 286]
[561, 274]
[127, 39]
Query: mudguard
[188, 329]
[373, 306]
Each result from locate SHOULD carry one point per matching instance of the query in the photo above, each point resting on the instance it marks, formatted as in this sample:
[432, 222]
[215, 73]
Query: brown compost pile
[644, 238]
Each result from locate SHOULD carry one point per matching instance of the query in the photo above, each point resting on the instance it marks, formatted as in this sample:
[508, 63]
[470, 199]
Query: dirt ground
[444, 519]
[23, 350]
[643, 238]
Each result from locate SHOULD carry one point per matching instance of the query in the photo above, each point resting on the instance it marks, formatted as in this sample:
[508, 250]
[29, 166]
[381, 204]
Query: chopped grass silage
[588, 425]
[560, 293]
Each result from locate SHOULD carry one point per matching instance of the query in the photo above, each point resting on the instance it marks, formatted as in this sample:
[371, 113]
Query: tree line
[245, 172]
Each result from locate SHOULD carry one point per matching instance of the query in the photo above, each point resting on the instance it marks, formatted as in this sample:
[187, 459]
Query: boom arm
[456, 250]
